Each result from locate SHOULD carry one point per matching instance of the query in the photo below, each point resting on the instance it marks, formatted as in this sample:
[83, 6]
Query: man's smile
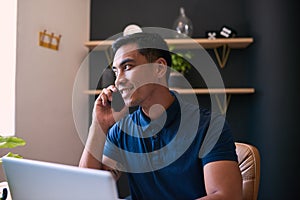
[125, 91]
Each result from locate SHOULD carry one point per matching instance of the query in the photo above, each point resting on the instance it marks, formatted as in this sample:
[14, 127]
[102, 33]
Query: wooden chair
[249, 163]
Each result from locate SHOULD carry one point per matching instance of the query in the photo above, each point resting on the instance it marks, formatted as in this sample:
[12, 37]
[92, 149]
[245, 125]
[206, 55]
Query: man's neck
[161, 102]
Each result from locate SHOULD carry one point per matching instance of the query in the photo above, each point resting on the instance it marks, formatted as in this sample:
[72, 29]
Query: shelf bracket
[223, 106]
[225, 54]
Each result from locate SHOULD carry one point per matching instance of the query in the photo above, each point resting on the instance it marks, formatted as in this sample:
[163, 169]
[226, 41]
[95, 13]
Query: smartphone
[117, 101]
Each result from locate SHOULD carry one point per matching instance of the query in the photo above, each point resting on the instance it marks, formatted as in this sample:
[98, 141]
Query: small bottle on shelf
[183, 25]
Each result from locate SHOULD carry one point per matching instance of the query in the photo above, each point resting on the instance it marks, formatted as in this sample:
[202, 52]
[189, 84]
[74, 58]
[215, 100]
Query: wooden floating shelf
[222, 104]
[219, 43]
[198, 91]
[233, 43]
[215, 91]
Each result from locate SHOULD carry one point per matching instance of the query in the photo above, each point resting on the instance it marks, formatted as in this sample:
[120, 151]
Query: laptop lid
[31, 179]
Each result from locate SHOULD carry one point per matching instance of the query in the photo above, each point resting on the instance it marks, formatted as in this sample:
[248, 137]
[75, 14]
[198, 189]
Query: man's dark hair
[150, 45]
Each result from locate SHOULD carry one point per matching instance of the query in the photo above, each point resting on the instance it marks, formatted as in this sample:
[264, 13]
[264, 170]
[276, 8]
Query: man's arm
[92, 156]
[93, 150]
[223, 180]
[103, 118]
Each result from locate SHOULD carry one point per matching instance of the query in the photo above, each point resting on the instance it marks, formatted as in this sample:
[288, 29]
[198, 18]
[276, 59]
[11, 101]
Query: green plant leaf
[11, 142]
[12, 155]
[180, 62]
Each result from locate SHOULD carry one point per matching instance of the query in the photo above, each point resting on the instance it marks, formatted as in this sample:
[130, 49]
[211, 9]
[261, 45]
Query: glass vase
[183, 25]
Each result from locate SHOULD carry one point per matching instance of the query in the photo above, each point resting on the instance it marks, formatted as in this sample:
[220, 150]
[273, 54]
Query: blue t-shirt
[164, 158]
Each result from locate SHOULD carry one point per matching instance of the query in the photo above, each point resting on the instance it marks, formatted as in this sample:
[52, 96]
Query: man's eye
[127, 67]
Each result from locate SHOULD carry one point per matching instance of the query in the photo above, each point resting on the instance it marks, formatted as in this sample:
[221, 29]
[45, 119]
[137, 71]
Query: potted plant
[180, 67]
[11, 142]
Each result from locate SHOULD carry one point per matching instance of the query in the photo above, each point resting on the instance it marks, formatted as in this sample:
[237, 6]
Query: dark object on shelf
[227, 32]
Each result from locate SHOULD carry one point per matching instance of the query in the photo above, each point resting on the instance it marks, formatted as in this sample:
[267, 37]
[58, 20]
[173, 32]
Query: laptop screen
[31, 179]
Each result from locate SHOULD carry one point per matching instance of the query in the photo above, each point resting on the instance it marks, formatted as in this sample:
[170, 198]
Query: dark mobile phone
[117, 101]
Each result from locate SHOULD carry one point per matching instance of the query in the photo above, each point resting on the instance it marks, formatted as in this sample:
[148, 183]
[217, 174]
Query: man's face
[135, 77]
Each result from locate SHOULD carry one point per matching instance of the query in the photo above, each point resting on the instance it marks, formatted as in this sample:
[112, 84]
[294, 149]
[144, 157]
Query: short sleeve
[218, 143]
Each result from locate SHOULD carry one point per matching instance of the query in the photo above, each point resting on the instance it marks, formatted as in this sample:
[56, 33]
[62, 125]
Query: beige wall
[45, 78]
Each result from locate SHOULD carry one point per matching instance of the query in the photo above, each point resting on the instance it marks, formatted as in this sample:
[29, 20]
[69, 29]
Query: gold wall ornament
[49, 40]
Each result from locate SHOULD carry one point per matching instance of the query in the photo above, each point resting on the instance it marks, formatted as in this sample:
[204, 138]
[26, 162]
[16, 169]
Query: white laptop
[38, 180]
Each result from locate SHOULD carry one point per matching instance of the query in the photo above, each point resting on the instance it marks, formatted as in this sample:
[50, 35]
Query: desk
[4, 185]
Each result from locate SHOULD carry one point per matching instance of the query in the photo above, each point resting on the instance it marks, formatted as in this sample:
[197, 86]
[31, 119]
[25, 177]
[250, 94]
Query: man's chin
[131, 103]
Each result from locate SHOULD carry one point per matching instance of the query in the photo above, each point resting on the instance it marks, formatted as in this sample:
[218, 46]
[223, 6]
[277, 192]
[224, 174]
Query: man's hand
[103, 114]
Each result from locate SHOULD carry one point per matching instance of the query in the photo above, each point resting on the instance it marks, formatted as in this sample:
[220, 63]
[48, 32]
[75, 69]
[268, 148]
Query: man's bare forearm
[92, 153]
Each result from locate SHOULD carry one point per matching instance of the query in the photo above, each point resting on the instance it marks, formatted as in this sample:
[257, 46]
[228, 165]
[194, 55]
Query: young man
[169, 149]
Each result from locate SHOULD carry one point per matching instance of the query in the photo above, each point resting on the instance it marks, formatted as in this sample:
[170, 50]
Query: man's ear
[161, 67]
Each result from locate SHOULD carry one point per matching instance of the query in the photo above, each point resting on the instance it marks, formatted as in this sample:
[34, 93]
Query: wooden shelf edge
[234, 43]
[198, 91]
[215, 90]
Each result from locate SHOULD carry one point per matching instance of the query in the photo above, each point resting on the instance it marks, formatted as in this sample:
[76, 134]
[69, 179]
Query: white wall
[45, 77]
[8, 26]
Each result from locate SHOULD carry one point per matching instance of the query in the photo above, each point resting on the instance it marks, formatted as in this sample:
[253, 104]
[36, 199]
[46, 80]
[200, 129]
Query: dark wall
[275, 115]
[268, 119]
[110, 17]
